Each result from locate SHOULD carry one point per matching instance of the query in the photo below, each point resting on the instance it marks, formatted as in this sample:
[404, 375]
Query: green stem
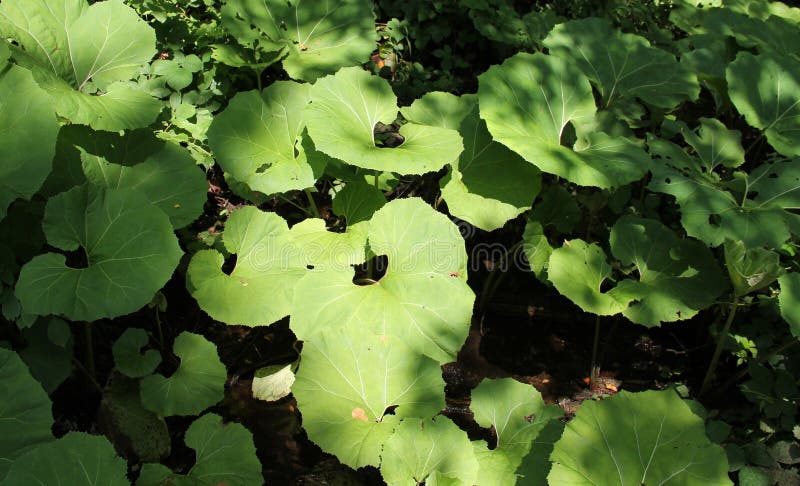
[89, 351]
[258, 79]
[720, 344]
[301, 208]
[494, 280]
[378, 181]
[160, 332]
[594, 370]
[312, 203]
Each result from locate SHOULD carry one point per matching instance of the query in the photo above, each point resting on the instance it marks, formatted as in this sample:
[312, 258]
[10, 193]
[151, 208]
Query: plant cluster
[649, 149]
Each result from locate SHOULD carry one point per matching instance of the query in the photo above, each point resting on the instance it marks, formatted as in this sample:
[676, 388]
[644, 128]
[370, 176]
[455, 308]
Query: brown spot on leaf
[359, 414]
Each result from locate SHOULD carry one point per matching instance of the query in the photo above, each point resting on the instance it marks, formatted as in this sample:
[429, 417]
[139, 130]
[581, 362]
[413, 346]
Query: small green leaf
[28, 131]
[766, 90]
[257, 138]
[344, 112]
[623, 66]
[84, 459]
[440, 109]
[25, 415]
[128, 354]
[130, 253]
[273, 382]
[358, 201]
[345, 397]
[637, 438]
[789, 300]
[536, 247]
[438, 446]
[563, 97]
[751, 269]
[49, 352]
[224, 452]
[557, 208]
[197, 384]
[578, 270]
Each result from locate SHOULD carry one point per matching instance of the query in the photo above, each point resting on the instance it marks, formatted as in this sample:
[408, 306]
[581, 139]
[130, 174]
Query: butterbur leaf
[623, 66]
[197, 384]
[358, 201]
[516, 413]
[715, 144]
[318, 37]
[789, 300]
[438, 445]
[489, 184]
[711, 212]
[426, 261]
[128, 355]
[536, 247]
[579, 270]
[25, 414]
[225, 454]
[563, 97]
[345, 398]
[751, 269]
[637, 438]
[49, 352]
[130, 253]
[676, 277]
[28, 128]
[83, 458]
[344, 112]
[169, 178]
[257, 138]
[71, 46]
[273, 382]
[766, 90]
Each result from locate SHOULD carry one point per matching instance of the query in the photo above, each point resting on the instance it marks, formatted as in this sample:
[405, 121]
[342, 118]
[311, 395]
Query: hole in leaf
[714, 220]
[371, 271]
[390, 410]
[229, 264]
[310, 267]
[568, 136]
[263, 168]
[668, 180]
[772, 175]
[77, 258]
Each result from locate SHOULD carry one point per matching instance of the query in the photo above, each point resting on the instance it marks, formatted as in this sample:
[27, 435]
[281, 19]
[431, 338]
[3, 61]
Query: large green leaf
[75, 49]
[197, 384]
[423, 298]
[225, 454]
[419, 447]
[651, 437]
[348, 382]
[489, 184]
[270, 259]
[516, 413]
[766, 90]
[28, 131]
[170, 179]
[789, 300]
[76, 459]
[676, 277]
[579, 271]
[712, 212]
[317, 37]
[344, 112]
[623, 66]
[529, 102]
[128, 245]
[25, 415]
[257, 138]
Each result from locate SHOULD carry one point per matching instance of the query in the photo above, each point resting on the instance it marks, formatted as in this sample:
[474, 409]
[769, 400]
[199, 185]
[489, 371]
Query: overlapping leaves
[529, 104]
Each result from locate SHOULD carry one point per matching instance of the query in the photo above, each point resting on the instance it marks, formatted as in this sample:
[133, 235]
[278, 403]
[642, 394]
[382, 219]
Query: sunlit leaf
[751, 269]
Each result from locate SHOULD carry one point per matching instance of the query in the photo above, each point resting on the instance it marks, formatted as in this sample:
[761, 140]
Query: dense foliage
[187, 181]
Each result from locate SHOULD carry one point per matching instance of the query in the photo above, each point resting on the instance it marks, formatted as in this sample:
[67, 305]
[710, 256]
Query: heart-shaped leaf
[128, 356]
[358, 201]
[224, 454]
[528, 103]
[346, 397]
[438, 446]
[197, 384]
[318, 37]
[637, 438]
[28, 131]
[624, 67]
[25, 415]
[344, 112]
[75, 48]
[273, 382]
[426, 260]
[751, 269]
[257, 138]
[766, 90]
[91, 458]
[129, 248]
